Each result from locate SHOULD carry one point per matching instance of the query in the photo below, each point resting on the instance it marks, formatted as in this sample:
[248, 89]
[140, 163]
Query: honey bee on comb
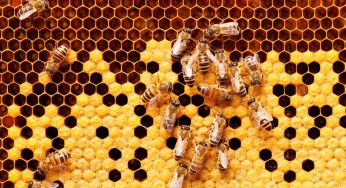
[237, 80]
[220, 94]
[222, 68]
[154, 93]
[31, 7]
[226, 29]
[170, 115]
[202, 55]
[42, 184]
[216, 129]
[180, 44]
[260, 117]
[179, 174]
[182, 142]
[54, 160]
[56, 59]
[188, 69]
[198, 158]
[253, 67]
[222, 153]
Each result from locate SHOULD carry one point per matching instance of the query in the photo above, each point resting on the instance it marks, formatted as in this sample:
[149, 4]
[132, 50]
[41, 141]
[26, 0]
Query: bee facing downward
[222, 72]
[236, 80]
[31, 7]
[153, 93]
[261, 118]
[182, 142]
[222, 154]
[220, 94]
[40, 184]
[170, 115]
[253, 67]
[188, 69]
[179, 174]
[57, 57]
[202, 55]
[53, 160]
[180, 45]
[198, 158]
[217, 126]
[227, 29]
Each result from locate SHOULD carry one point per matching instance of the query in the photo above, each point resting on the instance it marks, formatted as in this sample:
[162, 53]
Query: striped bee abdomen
[190, 81]
[203, 63]
[60, 53]
[59, 158]
[149, 94]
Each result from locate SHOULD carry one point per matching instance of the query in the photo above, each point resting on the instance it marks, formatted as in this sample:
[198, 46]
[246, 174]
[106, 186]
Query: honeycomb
[92, 106]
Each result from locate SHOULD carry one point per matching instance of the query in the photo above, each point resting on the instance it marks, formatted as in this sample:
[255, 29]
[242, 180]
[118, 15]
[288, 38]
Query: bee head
[203, 40]
[175, 102]
[251, 100]
[185, 127]
[182, 164]
[187, 30]
[208, 32]
[219, 51]
[233, 64]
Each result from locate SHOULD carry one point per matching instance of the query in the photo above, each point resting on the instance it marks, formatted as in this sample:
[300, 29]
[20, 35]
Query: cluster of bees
[227, 74]
[54, 161]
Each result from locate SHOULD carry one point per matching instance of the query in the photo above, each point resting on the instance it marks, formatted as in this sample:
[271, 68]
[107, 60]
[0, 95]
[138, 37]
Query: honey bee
[31, 7]
[180, 45]
[236, 80]
[179, 174]
[57, 57]
[217, 126]
[40, 184]
[222, 72]
[227, 29]
[202, 55]
[53, 160]
[253, 67]
[182, 142]
[198, 158]
[261, 118]
[188, 69]
[155, 91]
[221, 94]
[170, 115]
[222, 154]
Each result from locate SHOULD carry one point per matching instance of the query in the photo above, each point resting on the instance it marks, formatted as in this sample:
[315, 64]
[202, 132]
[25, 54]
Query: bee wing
[181, 146]
[212, 57]
[153, 102]
[54, 185]
[221, 70]
[223, 159]
[169, 120]
[26, 14]
[257, 119]
[264, 114]
[230, 28]
[46, 184]
[177, 181]
[188, 70]
[235, 80]
[179, 46]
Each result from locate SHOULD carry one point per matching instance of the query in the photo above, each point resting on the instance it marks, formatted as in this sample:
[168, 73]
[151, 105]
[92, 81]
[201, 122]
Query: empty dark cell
[31, 99]
[134, 164]
[57, 77]
[38, 88]
[314, 133]
[127, 67]
[121, 78]
[290, 68]
[20, 121]
[147, 121]
[115, 67]
[70, 121]
[342, 121]
[3, 110]
[108, 100]
[58, 143]
[290, 176]
[3, 132]
[197, 100]
[39, 176]
[338, 67]
[181, 78]
[284, 101]
[114, 175]
[102, 132]
[140, 175]
[83, 56]
[308, 165]
[26, 111]
[26, 132]
[204, 111]
[27, 154]
[290, 111]
[63, 88]
[8, 164]
[308, 79]
[153, 67]
[114, 154]
[70, 99]
[19, 78]
[8, 100]
[141, 153]
[342, 100]
[134, 77]
[342, 78]
[76, 67]
[121, 56]
[19, 100]
[184, 100]
[13, 89]
[290, 133]
[235, 122]
[184, 120]
[320, 122]
[176, 67]
[96, 78]
[121, 100]
[20, 164]
[265, 154]
[314, 67]
[3, 154]
[45, 100]
[32, 164]
[290, 89]
[102, 89]
[290, 154]
[302, 68]
[64, 111]
[178, 89]
[234, 143]
[140, 132]
[278, 90]
[139, 110]
[51, 132]
[89, 89]
[271, 165]
[314, 111]
[51, 88]
[38, 111]
[3, 175]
